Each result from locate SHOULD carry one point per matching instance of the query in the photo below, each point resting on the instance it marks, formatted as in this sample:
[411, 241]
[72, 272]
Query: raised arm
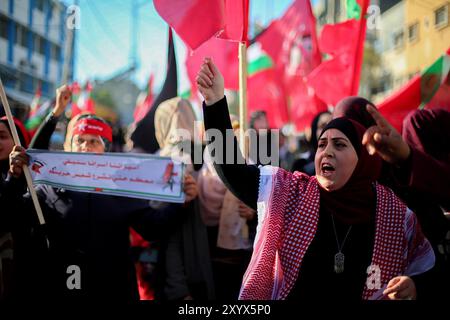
[41, 139]
[241, 179]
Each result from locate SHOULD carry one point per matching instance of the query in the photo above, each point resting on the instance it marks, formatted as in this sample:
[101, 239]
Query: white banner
[121, 174]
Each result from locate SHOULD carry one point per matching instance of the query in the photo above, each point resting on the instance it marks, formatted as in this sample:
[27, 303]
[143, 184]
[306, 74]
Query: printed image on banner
[129, 175]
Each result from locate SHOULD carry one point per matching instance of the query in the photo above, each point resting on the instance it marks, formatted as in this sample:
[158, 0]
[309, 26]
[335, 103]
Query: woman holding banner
[88, 233]
[338, 227]
[7, 244]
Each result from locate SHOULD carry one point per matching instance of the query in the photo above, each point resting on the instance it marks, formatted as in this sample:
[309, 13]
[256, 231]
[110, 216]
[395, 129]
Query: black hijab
[354, 203]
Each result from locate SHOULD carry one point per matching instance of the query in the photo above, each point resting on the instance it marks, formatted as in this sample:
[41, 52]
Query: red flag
[76, 90]
[195, 21]
[265, 92]
[85, 104]
[144, 101]
[37, 112]
[224, 55]
[35, 103]
[305, 105]
[430, 89]
[397, 106]
[409, 97]
[442, 97]
[338, 77]
[236, 20]
[291, 41]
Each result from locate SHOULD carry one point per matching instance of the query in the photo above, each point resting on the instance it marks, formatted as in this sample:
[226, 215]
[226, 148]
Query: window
[413, 32]
[39, 44]
[21, 35]
[40, 5]
[47, 88]
[441, 17]
[56, 51]
[4, 26]
[26, 83]
[397, 38]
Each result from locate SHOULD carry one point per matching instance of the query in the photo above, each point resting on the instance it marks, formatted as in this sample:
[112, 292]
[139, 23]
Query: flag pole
[16, 139]
[243, 97]
[244, 144]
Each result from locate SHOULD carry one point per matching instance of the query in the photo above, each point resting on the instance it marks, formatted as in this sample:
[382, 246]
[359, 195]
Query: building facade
[33, 37]
[414, 33]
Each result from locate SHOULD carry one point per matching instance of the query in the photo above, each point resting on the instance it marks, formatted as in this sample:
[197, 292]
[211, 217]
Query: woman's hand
[17, 159]
[190, 188]
[385, 140]
[401, 288]
[245, 211]
[210, 82]
[63, 96]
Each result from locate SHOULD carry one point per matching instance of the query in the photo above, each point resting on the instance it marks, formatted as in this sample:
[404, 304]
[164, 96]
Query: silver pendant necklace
[339, 256]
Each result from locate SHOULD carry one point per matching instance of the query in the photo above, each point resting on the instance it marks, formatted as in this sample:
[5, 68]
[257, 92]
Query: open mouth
[327, 169]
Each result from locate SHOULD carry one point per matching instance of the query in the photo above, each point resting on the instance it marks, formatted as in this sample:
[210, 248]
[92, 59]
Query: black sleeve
[41, 139]
[152, 223]
[12, 203]
[241, 179]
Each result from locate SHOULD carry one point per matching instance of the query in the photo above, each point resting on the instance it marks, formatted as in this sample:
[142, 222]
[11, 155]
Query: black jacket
[90, 231]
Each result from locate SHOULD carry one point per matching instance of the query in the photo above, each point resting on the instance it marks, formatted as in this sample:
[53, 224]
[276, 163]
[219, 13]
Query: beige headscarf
[172, 115]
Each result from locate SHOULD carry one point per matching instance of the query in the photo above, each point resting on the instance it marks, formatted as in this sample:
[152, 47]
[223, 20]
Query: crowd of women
[362, 217]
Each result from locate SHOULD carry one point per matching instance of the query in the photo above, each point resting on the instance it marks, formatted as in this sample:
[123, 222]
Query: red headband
[93, 126]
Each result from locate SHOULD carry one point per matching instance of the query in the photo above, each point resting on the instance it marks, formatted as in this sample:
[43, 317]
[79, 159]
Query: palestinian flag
[264, 89]
[35, 116]
[419, 92]
[144, 101]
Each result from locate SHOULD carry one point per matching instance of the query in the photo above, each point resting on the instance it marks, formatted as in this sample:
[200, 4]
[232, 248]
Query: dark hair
[347, 127]
[22, 132]
[314, 125]
[255, 116]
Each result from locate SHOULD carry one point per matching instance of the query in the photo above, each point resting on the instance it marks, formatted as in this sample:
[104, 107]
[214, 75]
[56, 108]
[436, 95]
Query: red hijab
[355, 202]
[429, 132]
[355, 108]
[24, 136]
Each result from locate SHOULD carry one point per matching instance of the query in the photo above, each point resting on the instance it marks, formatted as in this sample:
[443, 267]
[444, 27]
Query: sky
[104, 39]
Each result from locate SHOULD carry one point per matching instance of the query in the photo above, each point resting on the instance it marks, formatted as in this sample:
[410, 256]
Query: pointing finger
[376, 115]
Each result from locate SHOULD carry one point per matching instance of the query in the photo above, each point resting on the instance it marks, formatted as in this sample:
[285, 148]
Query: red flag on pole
[265, 92]
[428, 89]
[305, 104]
[236, 20]
[291, 42]
[225, 56]
[195, 21]
[76, 90]
[344, 67]
[85, 103]
[144, 101]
